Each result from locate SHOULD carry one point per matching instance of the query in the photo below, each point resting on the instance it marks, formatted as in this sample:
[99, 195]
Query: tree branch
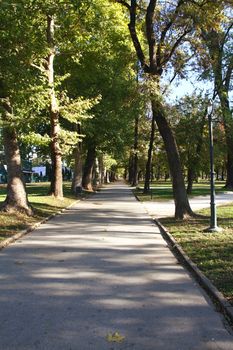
[228, 74]
[133, 33]
[124, 3]
[226, 34]
[150, 32]
[38, 67]
[174, 47]
[170, 82]
[165, 31]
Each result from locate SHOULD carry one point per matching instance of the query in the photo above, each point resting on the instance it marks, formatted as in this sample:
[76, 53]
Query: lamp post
[213, 216]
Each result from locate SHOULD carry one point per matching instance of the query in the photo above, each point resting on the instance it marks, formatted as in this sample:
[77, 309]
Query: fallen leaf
[115, 337]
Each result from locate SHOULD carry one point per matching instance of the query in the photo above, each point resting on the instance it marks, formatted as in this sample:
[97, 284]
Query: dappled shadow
[96, 269]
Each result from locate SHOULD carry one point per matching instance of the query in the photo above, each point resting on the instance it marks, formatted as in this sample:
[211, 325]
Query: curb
[22, 233]
[217, 297]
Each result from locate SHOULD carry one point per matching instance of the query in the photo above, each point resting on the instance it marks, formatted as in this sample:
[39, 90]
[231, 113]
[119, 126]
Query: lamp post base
[213, 229]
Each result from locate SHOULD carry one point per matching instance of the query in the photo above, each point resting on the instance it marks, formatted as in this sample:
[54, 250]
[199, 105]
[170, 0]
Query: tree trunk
[102, 169]
[56, 178]
[192, 170]
[182, 207]
[78, 165]
[215, 44]
[149, 158]
[135, 157]
[222, 174]
[96, 173]
[191, 176]
[228, 126]
[131, 168]
[88, 168]
[16, 199]
[107, 179]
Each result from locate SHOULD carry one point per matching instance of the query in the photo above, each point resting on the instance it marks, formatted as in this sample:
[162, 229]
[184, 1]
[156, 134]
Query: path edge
[22, 233]
[217, 297]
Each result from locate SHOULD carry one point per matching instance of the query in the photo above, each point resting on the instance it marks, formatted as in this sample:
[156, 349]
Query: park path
[102, 267]
[162, 209]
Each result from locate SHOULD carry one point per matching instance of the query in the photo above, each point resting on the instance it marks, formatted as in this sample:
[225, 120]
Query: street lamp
[213, 217]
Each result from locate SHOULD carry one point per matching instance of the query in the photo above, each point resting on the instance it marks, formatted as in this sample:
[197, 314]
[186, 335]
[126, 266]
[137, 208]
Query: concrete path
[161, 209]
[99, 268]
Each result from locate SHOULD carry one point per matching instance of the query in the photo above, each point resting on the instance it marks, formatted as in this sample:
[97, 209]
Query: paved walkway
[102, 267]
[161, 209]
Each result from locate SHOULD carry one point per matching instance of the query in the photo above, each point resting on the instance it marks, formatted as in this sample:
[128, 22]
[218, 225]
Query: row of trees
[166, 37]
[66, 75]
[87, 82]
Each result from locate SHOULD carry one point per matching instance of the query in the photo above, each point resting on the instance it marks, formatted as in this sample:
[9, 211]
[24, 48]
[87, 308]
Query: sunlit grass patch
[162, 191]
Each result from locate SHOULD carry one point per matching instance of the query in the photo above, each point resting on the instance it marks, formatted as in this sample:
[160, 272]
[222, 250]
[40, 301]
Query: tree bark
[135, 158]
[182, 207]
[131, 168]
[102, 169]
[228, 127]
[192, 170]
[88, 168]
[96, 172]
[16, 199]
[56, 155]
[191, 177]
[149, 158]
[78, 165]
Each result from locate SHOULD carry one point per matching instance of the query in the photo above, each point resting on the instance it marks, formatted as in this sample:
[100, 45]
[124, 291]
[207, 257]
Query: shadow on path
[102, 267]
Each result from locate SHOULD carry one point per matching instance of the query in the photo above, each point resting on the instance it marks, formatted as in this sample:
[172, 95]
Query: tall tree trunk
[149, 158]
[191, 177]
[228, 126]
[131, 168]
[222, 173]
[153, 67]
[135, 159]
[88, 168]
[16, 199]
[96, 172]
[56, 156]
[182, 207]
[78, 164]
[78, 168]
[192, 170]
[102, 169]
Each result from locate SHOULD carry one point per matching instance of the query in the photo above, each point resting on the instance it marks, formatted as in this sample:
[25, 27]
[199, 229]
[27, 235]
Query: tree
[166, 27]
[191, 110]
[15, 84]
[57, 45]
[16, 199]
[105, 68]
[218, 41]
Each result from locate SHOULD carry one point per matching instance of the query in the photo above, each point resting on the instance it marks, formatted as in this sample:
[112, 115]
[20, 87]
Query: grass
[212, 252]
[43, 205]
[162, 191]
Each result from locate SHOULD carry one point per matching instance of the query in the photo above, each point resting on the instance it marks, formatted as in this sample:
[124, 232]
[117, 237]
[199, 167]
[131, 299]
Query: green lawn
[162, 191]
[43, 205]
[212, 252]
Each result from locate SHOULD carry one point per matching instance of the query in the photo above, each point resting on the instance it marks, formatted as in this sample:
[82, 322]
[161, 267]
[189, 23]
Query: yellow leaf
[115, 337]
